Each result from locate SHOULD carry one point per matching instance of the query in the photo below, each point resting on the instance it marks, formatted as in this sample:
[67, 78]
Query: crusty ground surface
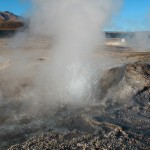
[113, 126]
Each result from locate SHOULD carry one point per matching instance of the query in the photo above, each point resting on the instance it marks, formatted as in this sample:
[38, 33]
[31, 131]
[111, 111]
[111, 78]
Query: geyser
[75, 27]
[70, 74]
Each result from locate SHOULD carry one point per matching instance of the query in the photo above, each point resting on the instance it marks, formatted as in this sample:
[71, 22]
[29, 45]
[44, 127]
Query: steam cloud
[74, 28]
[140, 41]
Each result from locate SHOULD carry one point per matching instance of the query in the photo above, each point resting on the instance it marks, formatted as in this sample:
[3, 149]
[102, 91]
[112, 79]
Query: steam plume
[75, 27]
[75, 30]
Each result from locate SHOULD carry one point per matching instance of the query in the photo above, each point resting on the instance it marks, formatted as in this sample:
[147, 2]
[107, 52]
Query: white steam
[140, 41]
[75, 25]
[74, 28]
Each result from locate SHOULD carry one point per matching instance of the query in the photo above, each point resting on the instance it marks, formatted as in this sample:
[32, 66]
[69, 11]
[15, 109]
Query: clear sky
[19, 7]
[134, 14]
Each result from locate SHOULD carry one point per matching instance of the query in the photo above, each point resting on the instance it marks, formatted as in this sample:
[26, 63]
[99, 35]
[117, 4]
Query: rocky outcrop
[121, 84]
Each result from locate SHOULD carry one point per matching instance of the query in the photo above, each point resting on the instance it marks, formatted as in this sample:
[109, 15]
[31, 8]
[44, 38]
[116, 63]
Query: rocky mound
[122, 83]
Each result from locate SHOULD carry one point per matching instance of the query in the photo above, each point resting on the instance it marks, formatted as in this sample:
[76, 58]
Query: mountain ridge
[7, 16]
[10, 21]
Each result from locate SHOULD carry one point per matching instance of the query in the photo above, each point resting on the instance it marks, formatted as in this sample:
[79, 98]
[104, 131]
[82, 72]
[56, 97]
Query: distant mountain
[119, 34]
[10, 21]
[7, 16]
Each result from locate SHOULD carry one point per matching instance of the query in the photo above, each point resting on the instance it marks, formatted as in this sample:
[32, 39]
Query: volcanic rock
[109, 137]
[121, 84]
[122, 123]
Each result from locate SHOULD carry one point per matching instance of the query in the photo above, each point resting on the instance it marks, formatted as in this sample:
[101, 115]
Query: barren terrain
[122, 121]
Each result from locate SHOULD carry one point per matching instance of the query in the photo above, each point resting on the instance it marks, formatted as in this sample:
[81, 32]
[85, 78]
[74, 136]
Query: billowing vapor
[140, 41]
[69, 73]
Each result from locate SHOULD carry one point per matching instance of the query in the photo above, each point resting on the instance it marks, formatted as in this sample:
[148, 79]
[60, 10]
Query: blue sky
[134, 14]
[19, 7]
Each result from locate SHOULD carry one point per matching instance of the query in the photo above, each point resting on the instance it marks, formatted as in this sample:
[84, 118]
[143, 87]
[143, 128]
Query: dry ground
[111, 133]
[42, 44]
